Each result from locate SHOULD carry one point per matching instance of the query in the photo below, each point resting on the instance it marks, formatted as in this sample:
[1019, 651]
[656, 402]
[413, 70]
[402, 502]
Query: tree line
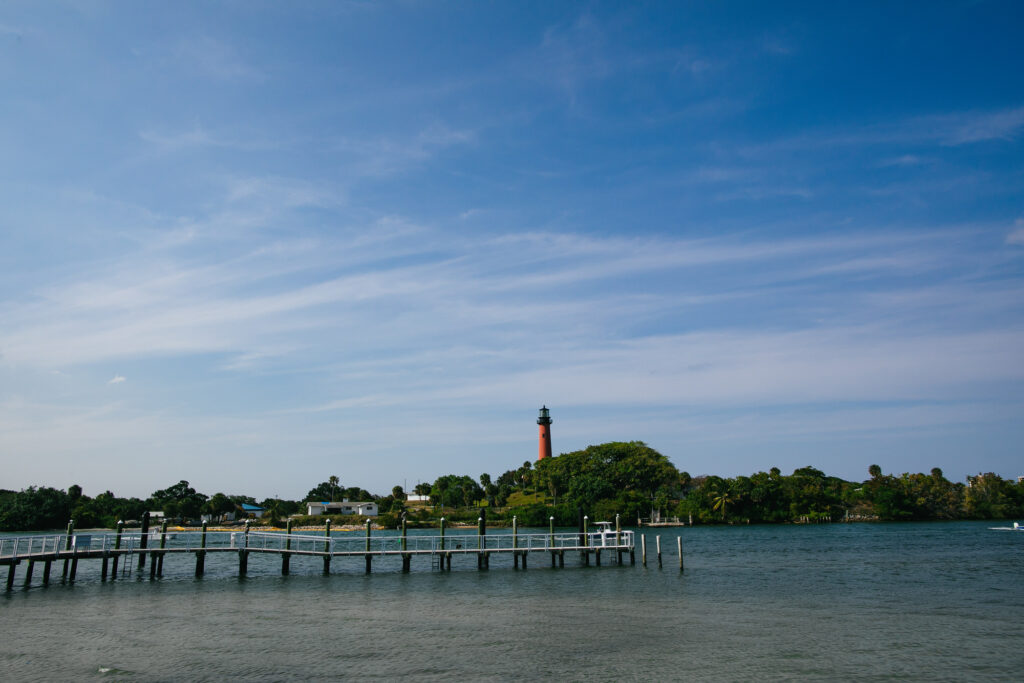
[630, 479]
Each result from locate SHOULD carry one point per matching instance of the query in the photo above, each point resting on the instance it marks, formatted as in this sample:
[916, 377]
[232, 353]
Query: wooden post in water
[618, 537]
[243, 552]
[586, 540]
[143, 540]
[368, 560]
[480, 542]
[163, 544]
[286, 556]
[28, 571]
[515, 542]
[153, 563]
[46, 572]
[643, 549]
[551, 538]
[201, 553]
[483, 534]
[406, 557]
[443, 554]
[658, 541]
[74, 561]
[679, 547]
[10, 573]
[103, 566]
[327, 546]
[67, 547]
[117, 546]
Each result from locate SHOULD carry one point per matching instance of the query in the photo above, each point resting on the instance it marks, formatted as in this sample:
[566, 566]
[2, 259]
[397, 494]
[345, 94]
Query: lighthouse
[544, 439]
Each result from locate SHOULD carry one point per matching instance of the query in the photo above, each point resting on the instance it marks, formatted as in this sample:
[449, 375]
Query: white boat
[604, 536]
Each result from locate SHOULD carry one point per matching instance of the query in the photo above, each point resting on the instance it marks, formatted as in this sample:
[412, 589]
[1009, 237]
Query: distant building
[366, 508]
[254, 510]
[225, 517]
[417, 498]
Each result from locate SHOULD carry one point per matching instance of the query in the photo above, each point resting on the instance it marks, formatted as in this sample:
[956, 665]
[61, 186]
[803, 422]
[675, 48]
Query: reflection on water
[911, 601]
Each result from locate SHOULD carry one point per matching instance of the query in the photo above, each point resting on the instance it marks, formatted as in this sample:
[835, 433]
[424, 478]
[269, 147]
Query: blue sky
[253, 245]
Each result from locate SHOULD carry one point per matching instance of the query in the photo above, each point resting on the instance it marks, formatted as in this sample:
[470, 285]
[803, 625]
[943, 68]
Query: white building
[366, 509]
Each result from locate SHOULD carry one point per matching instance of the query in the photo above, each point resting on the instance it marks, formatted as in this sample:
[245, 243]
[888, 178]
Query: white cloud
[117, 379]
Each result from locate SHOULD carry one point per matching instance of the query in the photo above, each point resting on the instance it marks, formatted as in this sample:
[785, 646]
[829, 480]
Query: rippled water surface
[939, 601]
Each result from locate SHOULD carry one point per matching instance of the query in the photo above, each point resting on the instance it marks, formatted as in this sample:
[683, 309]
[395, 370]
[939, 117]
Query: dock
[128, 549]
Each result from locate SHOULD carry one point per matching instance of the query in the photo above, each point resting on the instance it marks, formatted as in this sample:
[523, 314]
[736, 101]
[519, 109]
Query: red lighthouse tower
[544, 440]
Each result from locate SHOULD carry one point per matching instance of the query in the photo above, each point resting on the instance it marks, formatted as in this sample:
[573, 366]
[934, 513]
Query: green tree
[722, 500]
[324, 491]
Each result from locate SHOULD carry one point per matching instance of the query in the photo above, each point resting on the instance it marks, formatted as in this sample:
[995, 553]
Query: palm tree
[722, 500]
[333, 481]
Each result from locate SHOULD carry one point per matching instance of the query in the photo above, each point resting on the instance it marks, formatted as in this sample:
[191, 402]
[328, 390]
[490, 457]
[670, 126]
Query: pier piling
[618, 537]
[586, 541]
[117, 546]
[643, 549]
[163, 544]
[144, 539]
[369, 560]
[201, 554]
[679, 547]
[657, 540]
[67, 547]
[327, 546]
[515, 542]
[286, 556]
[243, 553]
[406, 557]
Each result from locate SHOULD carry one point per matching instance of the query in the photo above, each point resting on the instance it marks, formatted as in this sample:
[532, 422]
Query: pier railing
[109, 543]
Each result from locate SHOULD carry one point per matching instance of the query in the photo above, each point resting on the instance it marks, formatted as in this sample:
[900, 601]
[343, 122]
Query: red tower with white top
[544, 440]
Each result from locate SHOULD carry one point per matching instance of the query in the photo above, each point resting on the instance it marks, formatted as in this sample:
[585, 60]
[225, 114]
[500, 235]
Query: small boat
[605, 534]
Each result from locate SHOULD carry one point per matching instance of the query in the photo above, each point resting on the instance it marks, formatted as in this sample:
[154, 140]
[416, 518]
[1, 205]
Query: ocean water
[929, 602]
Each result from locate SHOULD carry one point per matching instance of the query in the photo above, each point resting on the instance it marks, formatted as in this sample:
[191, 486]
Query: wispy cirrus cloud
[377, 156]
[214, 58]
[943, 129]
[1017, 235]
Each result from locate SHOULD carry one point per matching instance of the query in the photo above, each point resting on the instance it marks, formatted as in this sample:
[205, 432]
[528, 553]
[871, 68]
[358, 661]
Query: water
[939, 601]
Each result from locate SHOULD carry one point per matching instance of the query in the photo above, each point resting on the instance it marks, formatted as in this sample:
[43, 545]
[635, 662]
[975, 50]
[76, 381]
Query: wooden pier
[128, 549]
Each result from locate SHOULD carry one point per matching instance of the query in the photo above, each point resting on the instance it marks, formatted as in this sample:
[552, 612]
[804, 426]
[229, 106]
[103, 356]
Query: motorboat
[604, 535]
